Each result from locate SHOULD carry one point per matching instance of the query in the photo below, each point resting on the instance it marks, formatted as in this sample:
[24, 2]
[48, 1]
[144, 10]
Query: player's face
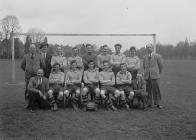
[133, 52]
[89, 49]
[74, 66]
[32, 49]
[106, 65]
[40, 73]
[105, 50]
[59, 50]
[56, 68]
[123, 67]
[91, 65]
[117, 48]
[75, 51]
[44, 49]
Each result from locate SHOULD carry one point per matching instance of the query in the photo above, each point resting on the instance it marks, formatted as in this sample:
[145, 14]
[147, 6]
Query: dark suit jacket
[34, 86]
[47, 68]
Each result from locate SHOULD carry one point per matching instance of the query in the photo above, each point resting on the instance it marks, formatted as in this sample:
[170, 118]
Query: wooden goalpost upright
[13, 80]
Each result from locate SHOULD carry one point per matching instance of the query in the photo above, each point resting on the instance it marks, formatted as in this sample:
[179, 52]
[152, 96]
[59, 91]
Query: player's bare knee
[60, 96]
[131, 94]
[102, 93]
[97, 91]
[122, 94]
[117, 93]
[84, 91]
[50, 93]
[77, 92]
[66, 93]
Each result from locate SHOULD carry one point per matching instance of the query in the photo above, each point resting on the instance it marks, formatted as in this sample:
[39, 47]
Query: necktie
[32, 56]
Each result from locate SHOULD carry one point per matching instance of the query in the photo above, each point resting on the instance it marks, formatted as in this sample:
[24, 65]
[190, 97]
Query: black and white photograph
[97, 70]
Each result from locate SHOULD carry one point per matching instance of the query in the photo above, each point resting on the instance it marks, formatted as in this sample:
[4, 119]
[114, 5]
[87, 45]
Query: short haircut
[56, 64]
[88, 45]
[40, 69]
[73, 61]
[104, 46]
[123, 64]
[91, 61]
[117, 45]
[132, 48]
[75, 48]
[43, 44]
[149, 45]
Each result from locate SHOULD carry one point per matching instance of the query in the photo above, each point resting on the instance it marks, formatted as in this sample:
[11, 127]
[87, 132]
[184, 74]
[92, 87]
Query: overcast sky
[171, 20]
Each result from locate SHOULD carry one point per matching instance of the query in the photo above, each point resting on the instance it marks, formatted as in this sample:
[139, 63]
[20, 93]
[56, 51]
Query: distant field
[176, 121]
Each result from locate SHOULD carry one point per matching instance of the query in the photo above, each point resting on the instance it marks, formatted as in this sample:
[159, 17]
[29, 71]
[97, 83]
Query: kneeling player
[123, 83]
[56, 81]
[91, 83]
[140, 94]
[73, 82]
[107, 82]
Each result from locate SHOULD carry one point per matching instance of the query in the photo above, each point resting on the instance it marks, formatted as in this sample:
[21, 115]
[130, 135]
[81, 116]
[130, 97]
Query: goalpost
[13, 80]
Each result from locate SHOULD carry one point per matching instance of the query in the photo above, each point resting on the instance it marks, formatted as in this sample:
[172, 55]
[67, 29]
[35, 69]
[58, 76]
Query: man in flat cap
[47, 59]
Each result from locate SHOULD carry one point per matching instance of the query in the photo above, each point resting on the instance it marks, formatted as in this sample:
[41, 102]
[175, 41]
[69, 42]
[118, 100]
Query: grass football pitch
[176, 121]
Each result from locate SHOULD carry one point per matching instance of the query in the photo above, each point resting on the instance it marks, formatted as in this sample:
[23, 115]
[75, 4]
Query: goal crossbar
[13, 80]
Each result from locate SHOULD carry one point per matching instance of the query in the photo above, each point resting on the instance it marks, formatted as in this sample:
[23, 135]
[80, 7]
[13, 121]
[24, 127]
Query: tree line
[10, 24]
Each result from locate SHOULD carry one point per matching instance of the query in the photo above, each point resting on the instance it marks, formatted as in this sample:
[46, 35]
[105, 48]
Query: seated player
[77, 58]
[60, 58]
[38, 92]
[123, 83]
[107, 82]
[140, 94]
[91, 83]
[56, 82]
[73, 82]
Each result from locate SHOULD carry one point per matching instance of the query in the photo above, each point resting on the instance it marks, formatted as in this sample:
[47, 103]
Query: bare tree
[37, 35]
[9, 24]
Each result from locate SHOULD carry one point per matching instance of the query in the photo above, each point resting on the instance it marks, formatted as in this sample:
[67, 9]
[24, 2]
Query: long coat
[153, 66]
[31, 65]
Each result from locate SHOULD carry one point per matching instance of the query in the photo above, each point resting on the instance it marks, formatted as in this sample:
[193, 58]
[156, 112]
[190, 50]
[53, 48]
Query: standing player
[123, 83]
[77, 58]
[91, 83]
[89, 56]
[47, 59]
[73, 82]
[107, 82]
[153, 67]
[117, 59]
[30, 64]
[60, 59]
[133, 62]
[104, 56]
[56, 81]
